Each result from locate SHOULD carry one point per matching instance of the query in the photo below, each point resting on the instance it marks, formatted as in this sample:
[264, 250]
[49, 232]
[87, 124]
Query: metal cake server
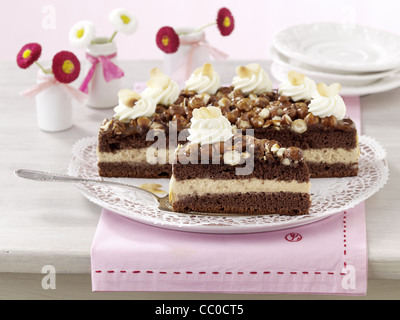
[163, 202]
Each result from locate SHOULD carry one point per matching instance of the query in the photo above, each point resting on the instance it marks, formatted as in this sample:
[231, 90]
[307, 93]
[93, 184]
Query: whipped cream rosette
[161, 88]
[298, 87]
[208, 126]
[327, 102]
[204, 80]
[252, 78]
[133, 105]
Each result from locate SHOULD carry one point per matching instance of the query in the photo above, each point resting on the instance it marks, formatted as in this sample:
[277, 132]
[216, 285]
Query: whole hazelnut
[286, 120]
[232, 158]
[299, 126]
[290, 111]
[244, 104]
[302, 110]
[311, 119]
[264, 113]
[236, 95]
[176, 109]
[261, 102]
[224, 102]
[195, 103]
[329, 121]
[143, 122]
[257, 122]
[243, 124]
[233, 115]
[293, 153]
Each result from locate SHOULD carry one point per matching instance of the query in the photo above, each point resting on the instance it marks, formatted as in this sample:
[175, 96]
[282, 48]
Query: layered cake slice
[219, 171]
[139, 140]
[301, 114]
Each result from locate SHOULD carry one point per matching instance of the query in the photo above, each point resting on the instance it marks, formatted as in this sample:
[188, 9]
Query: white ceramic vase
[181, 64]
[53, 106]
[102, 94]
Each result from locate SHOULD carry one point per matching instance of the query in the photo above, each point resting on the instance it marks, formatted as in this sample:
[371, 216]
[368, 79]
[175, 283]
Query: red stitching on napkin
[217, 272]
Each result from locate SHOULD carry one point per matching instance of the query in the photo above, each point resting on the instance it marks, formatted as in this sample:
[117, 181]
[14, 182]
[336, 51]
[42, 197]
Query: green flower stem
[204, 27]
[43, 69]
[113, 36]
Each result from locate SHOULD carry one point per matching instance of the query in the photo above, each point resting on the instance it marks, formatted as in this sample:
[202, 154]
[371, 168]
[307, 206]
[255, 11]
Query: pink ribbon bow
[49, 81]
[214, 52]
[110, 70]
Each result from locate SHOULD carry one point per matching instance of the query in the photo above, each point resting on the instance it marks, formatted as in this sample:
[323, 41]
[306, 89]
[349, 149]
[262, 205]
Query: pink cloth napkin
[324, 257]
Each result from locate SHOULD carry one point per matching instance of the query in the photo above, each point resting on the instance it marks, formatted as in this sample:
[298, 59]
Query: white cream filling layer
[142, 155]
[201, 187]
[331, 156]
[153, 155]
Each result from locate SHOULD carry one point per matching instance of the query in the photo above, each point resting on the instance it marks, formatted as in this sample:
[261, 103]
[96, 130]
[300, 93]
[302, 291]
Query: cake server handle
[55, 177]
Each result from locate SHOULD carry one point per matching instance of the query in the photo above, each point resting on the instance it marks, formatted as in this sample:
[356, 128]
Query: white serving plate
[345, 79]
[329, 196]
[340, 47]
[391, 82]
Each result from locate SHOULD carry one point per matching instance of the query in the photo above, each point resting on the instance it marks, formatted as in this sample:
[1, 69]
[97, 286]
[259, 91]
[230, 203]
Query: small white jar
[53, 106]
[102, 94]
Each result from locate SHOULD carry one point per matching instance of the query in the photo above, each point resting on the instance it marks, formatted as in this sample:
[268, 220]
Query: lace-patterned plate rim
[329, 196]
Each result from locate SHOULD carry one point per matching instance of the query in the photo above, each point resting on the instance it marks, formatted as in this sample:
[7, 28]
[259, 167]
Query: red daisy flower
[225, 21]
[28, 55]
[167, 40]
[66, 67]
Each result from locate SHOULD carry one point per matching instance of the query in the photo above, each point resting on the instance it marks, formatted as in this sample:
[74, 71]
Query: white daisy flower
[81, 34]
[123, 21]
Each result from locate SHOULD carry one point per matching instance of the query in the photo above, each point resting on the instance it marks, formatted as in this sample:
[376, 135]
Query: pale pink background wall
[48, 22]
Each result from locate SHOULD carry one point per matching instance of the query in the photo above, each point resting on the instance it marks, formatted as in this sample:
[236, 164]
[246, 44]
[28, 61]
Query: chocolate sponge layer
[282, 203]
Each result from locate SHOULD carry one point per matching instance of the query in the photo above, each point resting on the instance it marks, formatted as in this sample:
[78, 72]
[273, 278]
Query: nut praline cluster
[266, 111]
[238, 150]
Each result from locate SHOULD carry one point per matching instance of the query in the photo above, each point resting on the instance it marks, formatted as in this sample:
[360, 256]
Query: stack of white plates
[363, 60]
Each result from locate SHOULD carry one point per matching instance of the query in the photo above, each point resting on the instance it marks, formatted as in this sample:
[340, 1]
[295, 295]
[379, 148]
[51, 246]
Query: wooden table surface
[53, 224]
